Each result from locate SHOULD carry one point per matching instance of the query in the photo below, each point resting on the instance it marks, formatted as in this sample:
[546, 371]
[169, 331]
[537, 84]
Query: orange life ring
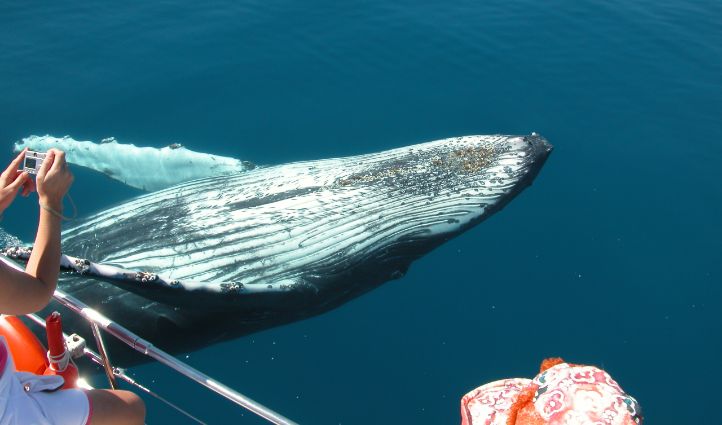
[28, 352]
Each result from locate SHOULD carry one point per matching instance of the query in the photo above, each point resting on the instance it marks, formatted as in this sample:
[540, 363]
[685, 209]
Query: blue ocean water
[612, 257]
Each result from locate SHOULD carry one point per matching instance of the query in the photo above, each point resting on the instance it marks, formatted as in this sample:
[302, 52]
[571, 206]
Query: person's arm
[22, 293]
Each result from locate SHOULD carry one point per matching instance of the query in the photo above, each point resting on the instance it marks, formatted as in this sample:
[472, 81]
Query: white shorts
[28, 399]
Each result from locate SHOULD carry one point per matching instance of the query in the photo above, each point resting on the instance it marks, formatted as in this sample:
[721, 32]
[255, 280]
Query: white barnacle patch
[145, 277]
[17, 252]
[81, 265]
[231, 287]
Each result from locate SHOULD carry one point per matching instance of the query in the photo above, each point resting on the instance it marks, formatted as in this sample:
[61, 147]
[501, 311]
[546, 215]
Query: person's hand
[53, 180]
[12, 179]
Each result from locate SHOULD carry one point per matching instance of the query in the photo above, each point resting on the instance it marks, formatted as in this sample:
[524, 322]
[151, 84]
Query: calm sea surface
[613, 257]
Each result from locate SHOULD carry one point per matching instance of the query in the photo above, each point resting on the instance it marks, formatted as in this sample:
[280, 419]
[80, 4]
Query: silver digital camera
[33, 161]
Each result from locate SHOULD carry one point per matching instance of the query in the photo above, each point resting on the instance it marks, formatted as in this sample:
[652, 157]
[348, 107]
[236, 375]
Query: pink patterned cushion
[489, 404]
[565, 395]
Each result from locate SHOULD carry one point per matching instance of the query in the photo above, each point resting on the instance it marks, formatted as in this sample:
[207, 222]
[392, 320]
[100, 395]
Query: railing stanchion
[104, 355]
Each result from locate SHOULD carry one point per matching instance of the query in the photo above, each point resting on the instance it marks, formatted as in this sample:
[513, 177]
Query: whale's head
[439, 189]
[368, 217]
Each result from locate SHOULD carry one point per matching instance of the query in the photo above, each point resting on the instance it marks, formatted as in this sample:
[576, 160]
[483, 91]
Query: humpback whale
[246, 248]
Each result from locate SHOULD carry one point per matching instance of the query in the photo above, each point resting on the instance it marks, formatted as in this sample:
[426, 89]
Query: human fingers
[54, 183]
[28, 187]
[15, 164]
[10, 172]
[19, 181]
[47, 163]
[59, 161]
[10, 176]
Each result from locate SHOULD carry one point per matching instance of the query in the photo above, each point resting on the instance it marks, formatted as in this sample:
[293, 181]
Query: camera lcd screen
[30, 163]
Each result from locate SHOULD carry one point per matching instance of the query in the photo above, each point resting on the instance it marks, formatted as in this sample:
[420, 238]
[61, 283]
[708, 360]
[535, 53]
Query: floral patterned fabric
[490, 403]
[565, 395]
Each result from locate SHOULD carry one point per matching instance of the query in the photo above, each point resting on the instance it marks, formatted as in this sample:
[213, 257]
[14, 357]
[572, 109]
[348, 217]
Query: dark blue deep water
[612, 258]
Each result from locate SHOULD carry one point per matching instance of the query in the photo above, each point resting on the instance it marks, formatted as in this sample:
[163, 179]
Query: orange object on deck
[27, 351]
[58, 355]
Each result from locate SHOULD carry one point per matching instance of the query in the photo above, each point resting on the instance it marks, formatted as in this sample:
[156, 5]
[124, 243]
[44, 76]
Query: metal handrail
[145, 347]
[117, 372]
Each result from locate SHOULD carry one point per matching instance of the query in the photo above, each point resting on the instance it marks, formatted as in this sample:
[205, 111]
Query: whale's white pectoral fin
[145, 168]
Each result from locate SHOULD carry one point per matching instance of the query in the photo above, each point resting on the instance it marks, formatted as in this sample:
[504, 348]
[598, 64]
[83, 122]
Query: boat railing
[98, 320]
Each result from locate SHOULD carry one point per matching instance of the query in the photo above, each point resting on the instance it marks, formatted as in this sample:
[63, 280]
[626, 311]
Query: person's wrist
[52, 203]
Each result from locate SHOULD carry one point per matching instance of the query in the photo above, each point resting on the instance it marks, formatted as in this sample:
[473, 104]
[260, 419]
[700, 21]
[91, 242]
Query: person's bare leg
[116, 408]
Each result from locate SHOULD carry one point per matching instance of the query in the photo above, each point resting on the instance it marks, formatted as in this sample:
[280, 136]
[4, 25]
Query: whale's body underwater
[291, 241]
